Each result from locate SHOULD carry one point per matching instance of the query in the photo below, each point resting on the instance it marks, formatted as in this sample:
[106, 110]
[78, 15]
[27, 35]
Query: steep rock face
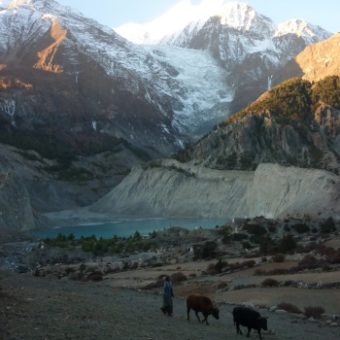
[278, 191]
[320, 60]
[53, 186]
[63, 74]
[16, 212]
[290, 125]
[173, 189]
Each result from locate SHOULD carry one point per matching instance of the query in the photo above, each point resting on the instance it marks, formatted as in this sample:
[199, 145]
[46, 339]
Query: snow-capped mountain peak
[235, 14]
[310, 33]
[10, 4]
[189, 17]
[240, 16]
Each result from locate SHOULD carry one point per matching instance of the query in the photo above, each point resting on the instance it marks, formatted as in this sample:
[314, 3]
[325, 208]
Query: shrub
[205, 251]
[287, 244]
[220, 265]
[308, 262]
[328, 226]
[248, 264]
[211, 269]
[178, 277]
[290, 308]
[269, 282]
[222, 285]
[255, 229]
[287, 228]
[244, 286]
[246, 245]
[278, 258]
[334, 258]
[267, 245]
[277, 271]
[314, 312]
[327, 90]
[238, 237]
[225, 231]
[272, 228]
[301, 228]
[259, 272]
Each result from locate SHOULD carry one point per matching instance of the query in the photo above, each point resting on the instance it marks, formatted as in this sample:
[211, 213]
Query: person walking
[168, 294]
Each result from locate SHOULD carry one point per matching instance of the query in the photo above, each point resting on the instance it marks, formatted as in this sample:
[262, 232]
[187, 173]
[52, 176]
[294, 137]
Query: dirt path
[36, 308]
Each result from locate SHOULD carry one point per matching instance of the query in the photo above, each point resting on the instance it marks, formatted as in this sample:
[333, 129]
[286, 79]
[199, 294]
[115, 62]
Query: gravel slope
[170, 188]
[35, 308]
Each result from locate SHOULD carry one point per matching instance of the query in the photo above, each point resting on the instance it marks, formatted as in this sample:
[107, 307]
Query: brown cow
[201, 304]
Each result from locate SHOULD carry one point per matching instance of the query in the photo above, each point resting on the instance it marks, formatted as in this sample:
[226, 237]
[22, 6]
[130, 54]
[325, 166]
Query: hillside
[56, 309]
[320, 60]
[297, 123]
[169, 189]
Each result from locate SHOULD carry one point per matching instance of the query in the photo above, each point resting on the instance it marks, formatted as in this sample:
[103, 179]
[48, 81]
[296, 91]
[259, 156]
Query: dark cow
[249, 318]
[201, 304]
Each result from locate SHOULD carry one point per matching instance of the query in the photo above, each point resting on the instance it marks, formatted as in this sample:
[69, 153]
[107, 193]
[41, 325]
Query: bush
[301, 228]
[255, 229]
[222, 285]
[246, 245]
[211, 269]
[244, 286]
[260, 272]
[220, 265]
[205, 251]
[290, 308]
[308, 262]
[278, 258]
[334, 258]
[287, 244]
[327, 90]
[328, 226]
[238, 237]
[178, 277]
[314, 312]
[248, 264]
[276, 271]
[270, 283]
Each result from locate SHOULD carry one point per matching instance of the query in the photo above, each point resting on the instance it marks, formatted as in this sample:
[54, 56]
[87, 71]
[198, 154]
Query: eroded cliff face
[16, 211]
[320, 60]
[169, 188]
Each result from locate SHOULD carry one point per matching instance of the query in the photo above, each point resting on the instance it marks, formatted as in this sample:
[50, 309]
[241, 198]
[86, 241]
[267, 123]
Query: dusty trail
[35, 308]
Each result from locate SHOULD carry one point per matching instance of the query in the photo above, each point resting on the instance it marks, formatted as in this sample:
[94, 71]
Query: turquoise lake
[129, 227]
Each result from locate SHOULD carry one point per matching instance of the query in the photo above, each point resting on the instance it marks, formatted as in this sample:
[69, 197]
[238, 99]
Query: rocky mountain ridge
[249, 47]
[297, 123]
[92, 105]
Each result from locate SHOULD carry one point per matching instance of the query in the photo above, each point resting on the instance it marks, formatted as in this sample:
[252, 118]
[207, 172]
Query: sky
[114, 13]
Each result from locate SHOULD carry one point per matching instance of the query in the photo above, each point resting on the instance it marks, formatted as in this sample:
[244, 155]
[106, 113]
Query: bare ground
[47, 308]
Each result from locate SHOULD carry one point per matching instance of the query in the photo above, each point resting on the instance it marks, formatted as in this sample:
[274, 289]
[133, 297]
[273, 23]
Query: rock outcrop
[16, 211]
[320, 60]
[297, 123]
[169, 188]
